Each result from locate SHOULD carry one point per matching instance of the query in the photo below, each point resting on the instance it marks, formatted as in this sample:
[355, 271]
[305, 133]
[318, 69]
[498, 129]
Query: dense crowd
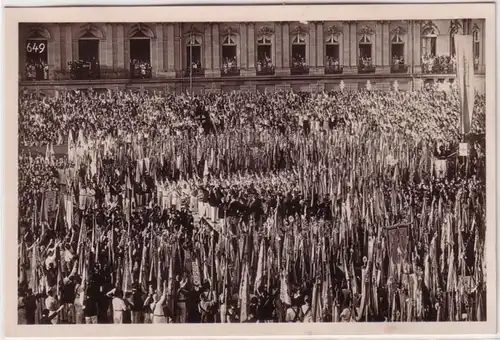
[172, 209]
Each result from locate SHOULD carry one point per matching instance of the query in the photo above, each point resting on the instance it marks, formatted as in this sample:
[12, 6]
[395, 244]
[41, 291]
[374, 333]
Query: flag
[465, 80]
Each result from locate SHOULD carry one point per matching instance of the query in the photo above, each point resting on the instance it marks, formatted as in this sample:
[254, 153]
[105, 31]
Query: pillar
[320, 44]
[346, 45]
[386, 46]
[208, 47]
[416, 47]
[242, 62]
[377, 58]
[54, 51]
[286, 45]
[170, 50]
[68, 53]
[354, 44]
[279, 46]
[109, 46]
[251, 46]
[311, 61]
[120, 50]
[176, 51]
[216, 49]
[164, 52]
[156, 49]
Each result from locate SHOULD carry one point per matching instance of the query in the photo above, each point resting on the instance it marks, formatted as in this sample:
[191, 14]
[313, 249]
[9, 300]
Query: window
[476, 45]
[87, 65]
[193, 54]
[140, 56]
[332, 50]
[429, 38]
[397, 49]
[264, 55]
[454, 29]
[36, 48]
[36, 59]
[365, 55]
[299, 50]
[229, 61]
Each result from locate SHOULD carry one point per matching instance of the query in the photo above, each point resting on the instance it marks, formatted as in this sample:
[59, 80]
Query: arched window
[365, 50]
[455, 28]
[193, 52]
[398, 47]
[476, 45]
[299, 49]
[332, 51]
[36, 48]
[429, 39]
[265, 63]
[140, 36]
[87, 65]
[229, 52]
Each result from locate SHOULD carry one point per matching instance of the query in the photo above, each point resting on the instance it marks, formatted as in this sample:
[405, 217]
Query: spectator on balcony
[228, 65]
[264, 64]
[298, 61]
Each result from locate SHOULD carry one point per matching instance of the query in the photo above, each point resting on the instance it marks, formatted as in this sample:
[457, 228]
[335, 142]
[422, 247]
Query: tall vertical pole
[191, 64]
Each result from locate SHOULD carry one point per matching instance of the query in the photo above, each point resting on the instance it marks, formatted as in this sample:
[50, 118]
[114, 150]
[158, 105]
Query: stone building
[252, 56]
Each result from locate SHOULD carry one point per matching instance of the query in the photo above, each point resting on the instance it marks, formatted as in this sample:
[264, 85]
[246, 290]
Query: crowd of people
[170, 208]
[37, 70]
[443, 64]
[140, 69]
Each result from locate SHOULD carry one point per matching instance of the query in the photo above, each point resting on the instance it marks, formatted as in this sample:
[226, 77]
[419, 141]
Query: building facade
[253, 56]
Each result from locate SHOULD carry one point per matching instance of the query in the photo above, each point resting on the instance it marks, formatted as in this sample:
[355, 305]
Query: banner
[465, 79]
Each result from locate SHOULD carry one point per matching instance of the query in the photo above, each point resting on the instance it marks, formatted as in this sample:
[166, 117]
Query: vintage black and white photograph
[252, 172]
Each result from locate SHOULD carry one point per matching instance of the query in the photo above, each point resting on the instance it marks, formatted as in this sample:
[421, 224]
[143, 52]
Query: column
[164, 51]
[109, 46]
[208, 47]
[157, 49]
[216, 50]
[346, 45]
[242, 63]
[409, 46]
[416, 47]
[311, 61]
[354, 45]
[377, 60]
[286, 45]
[386, 46]
[54, 52]
[177, 48]
[251, 46]
[170, 50]
[279, 47]
[120, 50]
[320, 44]
[65, 47]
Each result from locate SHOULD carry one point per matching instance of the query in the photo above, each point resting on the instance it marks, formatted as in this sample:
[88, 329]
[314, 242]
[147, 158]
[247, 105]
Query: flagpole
[191, 63]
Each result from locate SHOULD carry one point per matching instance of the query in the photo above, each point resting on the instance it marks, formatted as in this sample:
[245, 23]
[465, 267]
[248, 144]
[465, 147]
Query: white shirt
[118, 305]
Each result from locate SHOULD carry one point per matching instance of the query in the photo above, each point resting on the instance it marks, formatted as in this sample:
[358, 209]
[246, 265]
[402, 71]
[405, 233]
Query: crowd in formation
[168, 208]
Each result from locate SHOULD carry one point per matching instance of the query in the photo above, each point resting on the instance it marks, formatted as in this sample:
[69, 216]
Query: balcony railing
[265, 70]
[82, 70]
[334, 69]
[299, 69]
[399, 68]
[194, 71]
[140, 71]
[364, 69]
[232, 71]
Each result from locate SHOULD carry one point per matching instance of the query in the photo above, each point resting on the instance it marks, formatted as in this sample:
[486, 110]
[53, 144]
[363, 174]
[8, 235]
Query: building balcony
[399, 68]
[438, 65]
[232, 71]
[36, 73]
[265, 70]
[140, 71]
[299, 69]
[193, 72]
[366, 69]
[334, 69]
[80, 70]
